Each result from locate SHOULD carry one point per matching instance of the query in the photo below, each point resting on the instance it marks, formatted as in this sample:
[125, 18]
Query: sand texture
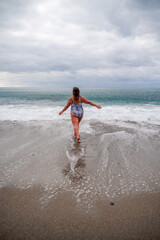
[105, 187]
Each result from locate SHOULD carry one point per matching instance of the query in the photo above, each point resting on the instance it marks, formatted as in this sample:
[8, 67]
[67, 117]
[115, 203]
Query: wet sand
[106, 187]
[132, 217]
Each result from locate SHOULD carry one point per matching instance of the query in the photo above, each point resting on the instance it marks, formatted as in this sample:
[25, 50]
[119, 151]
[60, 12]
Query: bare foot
[78, 139]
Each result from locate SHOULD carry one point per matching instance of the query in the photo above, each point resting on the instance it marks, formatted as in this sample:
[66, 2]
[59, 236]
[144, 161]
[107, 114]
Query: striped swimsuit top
[77, 109]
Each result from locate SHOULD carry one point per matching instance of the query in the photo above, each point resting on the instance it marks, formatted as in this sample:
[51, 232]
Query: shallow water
[118, 154]
[111, 161]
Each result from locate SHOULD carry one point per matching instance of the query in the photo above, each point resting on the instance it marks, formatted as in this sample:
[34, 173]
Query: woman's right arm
[86, 101]
[67, 106]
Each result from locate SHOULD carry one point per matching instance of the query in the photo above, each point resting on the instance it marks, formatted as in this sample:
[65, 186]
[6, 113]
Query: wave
[135, 113]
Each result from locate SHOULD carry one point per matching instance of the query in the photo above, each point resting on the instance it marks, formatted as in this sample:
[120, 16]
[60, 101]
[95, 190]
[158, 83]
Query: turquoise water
[45, 104]
[103, 96]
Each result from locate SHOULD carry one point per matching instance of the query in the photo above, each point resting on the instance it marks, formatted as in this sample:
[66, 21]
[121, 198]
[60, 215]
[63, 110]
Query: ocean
[24, 104]
[118, 153]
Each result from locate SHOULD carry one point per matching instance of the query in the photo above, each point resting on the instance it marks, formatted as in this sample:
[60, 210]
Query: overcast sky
[84, 43]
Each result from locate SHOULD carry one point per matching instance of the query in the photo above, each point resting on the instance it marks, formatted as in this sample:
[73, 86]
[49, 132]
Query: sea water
[140, 105]
[118, 153]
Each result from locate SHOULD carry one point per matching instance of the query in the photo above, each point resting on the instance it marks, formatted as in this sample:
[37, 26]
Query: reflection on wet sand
[75, 153]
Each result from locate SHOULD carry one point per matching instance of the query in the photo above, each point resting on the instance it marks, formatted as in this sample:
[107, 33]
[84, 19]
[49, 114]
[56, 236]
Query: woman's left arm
[67, 106]
[89, 102]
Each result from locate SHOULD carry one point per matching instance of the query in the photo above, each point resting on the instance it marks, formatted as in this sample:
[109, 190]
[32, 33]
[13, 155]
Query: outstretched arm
[67, 106]
[89, 102]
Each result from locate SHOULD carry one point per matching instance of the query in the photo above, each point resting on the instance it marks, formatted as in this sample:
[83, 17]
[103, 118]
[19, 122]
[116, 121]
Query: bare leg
[75, 121]
[80, 119]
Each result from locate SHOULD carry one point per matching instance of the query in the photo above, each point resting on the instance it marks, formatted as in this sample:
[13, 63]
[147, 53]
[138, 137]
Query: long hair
[76, 93]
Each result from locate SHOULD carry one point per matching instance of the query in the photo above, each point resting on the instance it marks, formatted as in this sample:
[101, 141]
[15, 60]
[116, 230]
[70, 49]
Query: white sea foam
[74, 157]
[138, 113]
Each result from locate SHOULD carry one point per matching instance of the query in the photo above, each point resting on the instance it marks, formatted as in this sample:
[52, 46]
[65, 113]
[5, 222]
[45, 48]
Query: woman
[77, 110]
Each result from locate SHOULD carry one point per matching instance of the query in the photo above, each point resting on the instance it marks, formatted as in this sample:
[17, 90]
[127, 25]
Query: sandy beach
[133, 217]
[90, 190]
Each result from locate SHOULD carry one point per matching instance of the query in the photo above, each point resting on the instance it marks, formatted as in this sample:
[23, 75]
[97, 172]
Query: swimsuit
[77, 109]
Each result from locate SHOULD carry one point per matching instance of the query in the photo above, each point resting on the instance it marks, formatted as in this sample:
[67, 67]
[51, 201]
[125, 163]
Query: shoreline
[106, 187]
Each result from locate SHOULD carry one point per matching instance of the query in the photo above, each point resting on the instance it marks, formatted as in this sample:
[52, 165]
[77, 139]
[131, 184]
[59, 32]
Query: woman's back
[79, 100]
[76, 107]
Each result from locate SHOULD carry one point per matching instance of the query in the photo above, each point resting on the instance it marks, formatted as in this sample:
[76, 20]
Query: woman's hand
[60, 112]
[98, 106]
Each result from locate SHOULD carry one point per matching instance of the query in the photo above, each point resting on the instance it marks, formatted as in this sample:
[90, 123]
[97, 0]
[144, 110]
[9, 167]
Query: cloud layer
[95, 43]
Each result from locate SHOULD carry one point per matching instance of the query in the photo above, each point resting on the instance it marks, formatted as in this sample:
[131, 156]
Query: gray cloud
[94, 43]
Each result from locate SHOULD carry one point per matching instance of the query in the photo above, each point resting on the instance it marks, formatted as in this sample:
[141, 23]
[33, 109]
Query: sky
[83, 43]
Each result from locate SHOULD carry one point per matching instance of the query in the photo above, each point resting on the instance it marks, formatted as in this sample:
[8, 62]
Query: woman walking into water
[77, 110]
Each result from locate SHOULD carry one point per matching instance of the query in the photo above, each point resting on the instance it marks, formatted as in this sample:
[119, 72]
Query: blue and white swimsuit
[77, 109]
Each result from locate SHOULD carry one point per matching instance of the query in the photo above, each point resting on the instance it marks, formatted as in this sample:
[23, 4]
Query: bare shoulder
[84, 99]
[69, 100]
